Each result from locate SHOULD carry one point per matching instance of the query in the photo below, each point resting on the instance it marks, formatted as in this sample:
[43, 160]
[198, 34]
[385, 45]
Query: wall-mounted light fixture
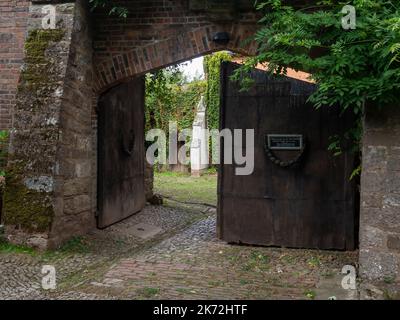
[221, 38]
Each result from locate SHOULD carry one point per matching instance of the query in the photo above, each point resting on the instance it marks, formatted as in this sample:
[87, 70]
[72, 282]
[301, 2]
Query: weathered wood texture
[310, 205]
[121, 191]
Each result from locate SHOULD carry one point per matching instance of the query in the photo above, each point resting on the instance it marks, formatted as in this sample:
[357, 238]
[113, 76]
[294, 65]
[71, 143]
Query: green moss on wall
[32, 210]
[38, 67]
[28, 209]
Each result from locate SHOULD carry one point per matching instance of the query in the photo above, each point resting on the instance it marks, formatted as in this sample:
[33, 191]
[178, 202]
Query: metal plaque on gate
[285, 141]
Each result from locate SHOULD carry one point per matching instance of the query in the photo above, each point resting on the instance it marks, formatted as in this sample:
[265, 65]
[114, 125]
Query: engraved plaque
[285, 141]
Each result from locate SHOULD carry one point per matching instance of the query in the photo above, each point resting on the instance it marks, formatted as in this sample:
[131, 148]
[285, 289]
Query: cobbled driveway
[182, 259]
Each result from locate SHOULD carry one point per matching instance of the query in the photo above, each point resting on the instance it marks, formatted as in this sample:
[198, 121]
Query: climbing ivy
[212, 65]
[170, 97]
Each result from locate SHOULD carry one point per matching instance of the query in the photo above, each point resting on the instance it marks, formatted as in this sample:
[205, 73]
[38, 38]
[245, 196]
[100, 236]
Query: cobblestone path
[184, 260]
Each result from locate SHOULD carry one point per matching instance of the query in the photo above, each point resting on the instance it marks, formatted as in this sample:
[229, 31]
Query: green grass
[259, 257]
[216, 283]
[310, 294]
[148, 292]
[388, 279]
[244, 282]
[183, 290]
[75, 245]
[6, 247]
[314, 262]
[184, 188]
[256, 261]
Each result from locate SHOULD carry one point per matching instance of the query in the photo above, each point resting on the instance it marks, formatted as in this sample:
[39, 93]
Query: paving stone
[182, 260]
[145, 231]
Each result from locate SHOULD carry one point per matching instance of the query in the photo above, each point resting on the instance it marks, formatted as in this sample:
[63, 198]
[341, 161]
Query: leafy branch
[113, 9]
[352, 68]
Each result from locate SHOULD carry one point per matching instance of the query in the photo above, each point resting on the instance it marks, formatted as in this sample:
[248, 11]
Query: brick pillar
[380, 194]
[47, 196]
[13, 19]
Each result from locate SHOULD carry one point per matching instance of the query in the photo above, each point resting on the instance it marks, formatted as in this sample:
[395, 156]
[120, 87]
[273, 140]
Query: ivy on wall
[212, 65]
[170, 97]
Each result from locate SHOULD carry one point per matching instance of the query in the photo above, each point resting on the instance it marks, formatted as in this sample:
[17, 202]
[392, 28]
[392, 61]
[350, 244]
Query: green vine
[212, 65]
[169, 97]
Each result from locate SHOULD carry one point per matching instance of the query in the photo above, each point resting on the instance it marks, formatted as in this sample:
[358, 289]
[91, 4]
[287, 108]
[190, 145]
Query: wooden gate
[121, 152]
[299, 194]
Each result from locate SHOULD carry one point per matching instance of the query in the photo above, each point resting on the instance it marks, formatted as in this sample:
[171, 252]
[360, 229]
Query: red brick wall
[13, 19]
[159, 33]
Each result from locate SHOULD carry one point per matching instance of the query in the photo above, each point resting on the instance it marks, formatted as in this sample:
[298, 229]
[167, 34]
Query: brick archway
[87, 54]
[179, 48]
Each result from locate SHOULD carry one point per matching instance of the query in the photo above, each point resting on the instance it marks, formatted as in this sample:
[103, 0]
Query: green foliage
[310, 294]
[169, 97]
[188, 99]
[38, 70]
[113, 9]
[30, 210]
[6, 247]
[212, 65]
[75, 245]
[352, 68]
[148, 292]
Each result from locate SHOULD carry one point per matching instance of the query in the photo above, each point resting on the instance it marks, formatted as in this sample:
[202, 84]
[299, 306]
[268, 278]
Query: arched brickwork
[168, 35]
[181, 47]
[87, 54]
[160, 33]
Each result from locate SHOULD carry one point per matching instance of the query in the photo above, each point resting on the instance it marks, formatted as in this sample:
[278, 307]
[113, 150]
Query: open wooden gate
[299, 194]
[121, 152]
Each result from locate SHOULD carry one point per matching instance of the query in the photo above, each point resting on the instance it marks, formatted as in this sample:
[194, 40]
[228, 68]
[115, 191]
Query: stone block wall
[380, 195]
[32, 173]
[49, 176]
[75, 205]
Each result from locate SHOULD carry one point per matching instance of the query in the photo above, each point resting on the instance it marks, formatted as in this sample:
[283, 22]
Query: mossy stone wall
[33, 183]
